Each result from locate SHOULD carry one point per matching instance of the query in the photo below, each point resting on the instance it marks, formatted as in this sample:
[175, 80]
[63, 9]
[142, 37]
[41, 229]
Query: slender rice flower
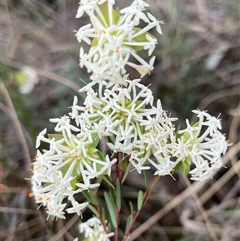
[94, 231]
[115, 38]
[135, 127]
[202, 144]
[121, 110]
[26, 79]
[67, 168]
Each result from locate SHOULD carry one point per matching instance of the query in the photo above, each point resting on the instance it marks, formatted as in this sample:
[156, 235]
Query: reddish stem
[101, 219]
[145, 198]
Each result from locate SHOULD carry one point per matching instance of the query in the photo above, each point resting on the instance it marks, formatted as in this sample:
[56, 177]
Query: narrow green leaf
[186, 168]
[106, 179]
[129, 220]
[118, 193]
[57, 137]
[112, 194]
[93, 209]
[100, 155]
[132, 212]
[126, 172]
[90, 196]
[123, 163]
[103, 213]
[95, 139]
[178, 166]
[140, 38]
[111, 209]
[109, 226]
[140, 199]
[94, 42]
[105, 20]
[146, 180]
[195, 133]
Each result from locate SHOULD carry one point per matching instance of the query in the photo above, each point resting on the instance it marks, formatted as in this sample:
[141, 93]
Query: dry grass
[40, 34]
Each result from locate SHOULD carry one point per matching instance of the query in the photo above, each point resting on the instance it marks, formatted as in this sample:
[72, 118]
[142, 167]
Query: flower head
[67, 168]
[26, 79]
[202, 144]
[94, 231]
[115, 37]
[135, 127]
[123, 111]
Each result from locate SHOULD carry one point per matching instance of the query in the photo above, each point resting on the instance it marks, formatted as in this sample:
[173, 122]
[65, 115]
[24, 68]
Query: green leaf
[95, 139]
[112, 194]
[111, 209]
[145, 175]
[177, 130]
[57, 137]
[185, 164]
[186, 135]
[94, 42]
[140, 38]
[116, 16]
[109, 226]
[131, 216]
[178, 166]
[140, 199]
[123, 163]
[129, 220]
[131, 208]
[118, 193]
[90, 196]
[99, 155]
[186, 168]
[126, 172]
[106, 179]
[93, 209]
[140, 105]
[105, 20]
[103, 214]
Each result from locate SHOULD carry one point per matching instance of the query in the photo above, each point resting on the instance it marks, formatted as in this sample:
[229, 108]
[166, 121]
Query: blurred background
[197, 66]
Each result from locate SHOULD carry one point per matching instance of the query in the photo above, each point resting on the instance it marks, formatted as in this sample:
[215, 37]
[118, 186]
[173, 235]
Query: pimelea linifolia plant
[120, 112]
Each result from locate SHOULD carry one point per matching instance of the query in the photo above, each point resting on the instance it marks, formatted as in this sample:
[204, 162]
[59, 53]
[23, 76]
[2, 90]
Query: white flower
[26, 78]
[94, 231]
[115, 38]
[202, 144]
[84, 33]
[72, 155]
[76, 207]
[121, 113]
[41, 137]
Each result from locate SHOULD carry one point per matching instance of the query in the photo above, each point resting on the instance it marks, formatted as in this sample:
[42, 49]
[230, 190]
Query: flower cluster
[122, 111]
[202, 144]
[116, 38]
[56, 171]
[94, 231]
[121, 114]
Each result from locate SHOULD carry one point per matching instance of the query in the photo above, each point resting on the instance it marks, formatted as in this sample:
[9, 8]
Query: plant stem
[116, 234]
[101, 218]
[145, 198]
